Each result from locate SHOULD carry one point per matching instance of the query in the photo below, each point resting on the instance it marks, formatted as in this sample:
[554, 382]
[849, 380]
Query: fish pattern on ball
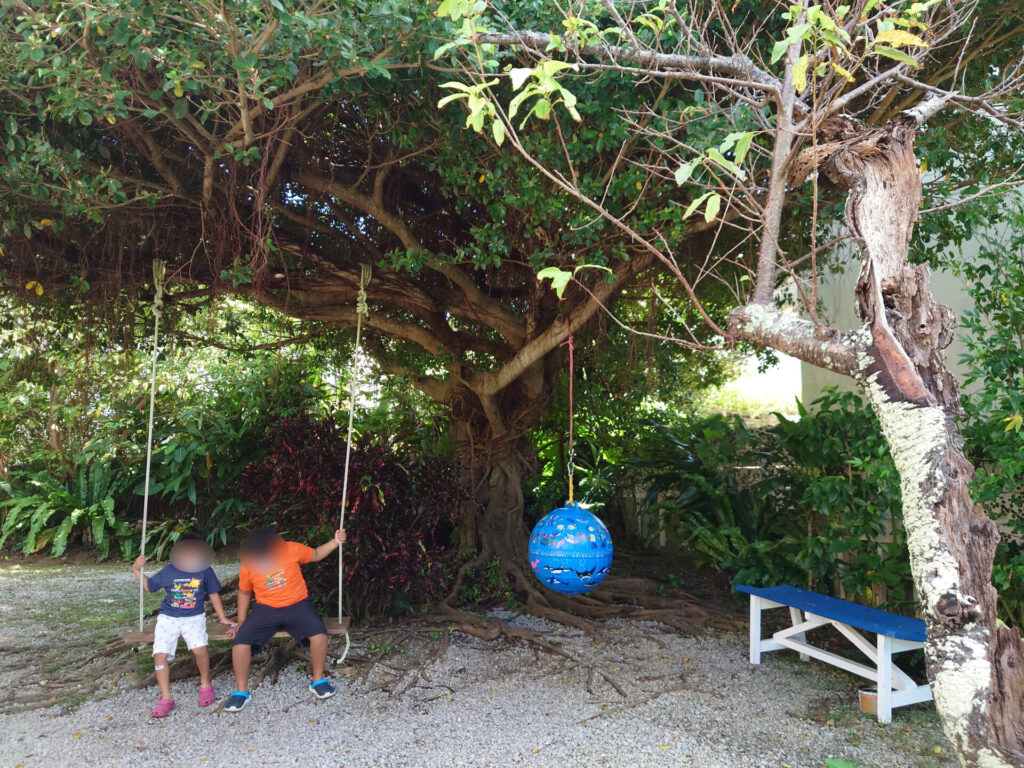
[570, 550]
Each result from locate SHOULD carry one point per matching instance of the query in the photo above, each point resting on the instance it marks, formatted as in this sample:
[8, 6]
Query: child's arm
[218, 607]
[137, 570]
[326, 548]
[244, 597]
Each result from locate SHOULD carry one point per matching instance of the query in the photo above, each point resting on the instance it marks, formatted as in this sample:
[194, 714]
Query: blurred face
[265, 559]
[191, 556]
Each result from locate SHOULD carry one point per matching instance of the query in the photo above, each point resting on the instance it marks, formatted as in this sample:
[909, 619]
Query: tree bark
[497, 461]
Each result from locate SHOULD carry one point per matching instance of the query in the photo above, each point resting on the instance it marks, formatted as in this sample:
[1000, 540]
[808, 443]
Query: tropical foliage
[814, 501]
[400, 515]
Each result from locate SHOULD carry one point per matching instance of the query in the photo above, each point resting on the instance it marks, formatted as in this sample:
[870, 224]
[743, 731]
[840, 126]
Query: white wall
[837, 308]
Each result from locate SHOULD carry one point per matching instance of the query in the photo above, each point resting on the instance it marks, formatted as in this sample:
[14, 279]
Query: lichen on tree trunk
[975, 666]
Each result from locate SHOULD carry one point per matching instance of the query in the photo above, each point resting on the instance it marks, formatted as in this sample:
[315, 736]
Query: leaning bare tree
[835, 96]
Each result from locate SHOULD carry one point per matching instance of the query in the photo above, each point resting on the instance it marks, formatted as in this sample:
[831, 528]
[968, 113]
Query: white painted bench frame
[895, 687]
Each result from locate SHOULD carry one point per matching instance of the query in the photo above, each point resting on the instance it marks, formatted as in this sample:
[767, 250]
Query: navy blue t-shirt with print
[184, 593]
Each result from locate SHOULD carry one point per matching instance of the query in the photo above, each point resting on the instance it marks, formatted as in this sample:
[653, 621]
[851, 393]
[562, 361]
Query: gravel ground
[688, 702]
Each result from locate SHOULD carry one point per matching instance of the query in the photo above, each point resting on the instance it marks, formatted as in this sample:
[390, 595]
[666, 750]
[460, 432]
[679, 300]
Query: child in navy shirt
[186, 583]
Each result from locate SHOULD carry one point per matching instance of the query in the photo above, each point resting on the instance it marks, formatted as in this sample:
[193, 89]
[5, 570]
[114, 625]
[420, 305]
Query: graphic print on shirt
[275, 580]
[183, 593]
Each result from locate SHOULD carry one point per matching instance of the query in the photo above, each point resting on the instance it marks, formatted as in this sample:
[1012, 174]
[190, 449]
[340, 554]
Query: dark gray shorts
[301, 621]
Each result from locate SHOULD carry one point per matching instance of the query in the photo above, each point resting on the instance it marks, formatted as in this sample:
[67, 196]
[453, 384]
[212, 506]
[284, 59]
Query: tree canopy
[270, 150]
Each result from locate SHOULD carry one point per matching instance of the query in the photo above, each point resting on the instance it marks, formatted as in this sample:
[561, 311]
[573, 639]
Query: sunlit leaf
[898, 38]
[714, 204]
[800, 73]
[559, 278]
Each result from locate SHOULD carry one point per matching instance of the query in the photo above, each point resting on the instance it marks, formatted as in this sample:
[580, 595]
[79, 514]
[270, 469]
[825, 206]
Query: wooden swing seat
[218, 631]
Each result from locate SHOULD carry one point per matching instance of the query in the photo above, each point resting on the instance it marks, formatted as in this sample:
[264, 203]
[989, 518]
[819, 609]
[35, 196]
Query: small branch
[736, 66]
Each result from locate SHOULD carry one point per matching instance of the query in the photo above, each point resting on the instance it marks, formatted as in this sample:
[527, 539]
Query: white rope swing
[159, 270]
[362, 310]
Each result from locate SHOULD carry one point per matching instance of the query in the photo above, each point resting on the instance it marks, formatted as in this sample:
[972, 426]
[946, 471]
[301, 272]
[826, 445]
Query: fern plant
[43, 512]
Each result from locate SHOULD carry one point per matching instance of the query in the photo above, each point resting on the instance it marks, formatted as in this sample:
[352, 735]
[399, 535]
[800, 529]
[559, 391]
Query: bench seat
[217, 631]
[810, 610]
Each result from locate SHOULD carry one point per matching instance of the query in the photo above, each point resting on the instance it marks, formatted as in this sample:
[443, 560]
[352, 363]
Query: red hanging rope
[570, 465]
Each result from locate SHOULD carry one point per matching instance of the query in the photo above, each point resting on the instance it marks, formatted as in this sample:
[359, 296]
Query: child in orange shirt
[270, 570]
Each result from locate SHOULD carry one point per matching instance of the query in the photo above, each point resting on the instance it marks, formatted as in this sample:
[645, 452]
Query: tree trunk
[976, 666]
[491, 522]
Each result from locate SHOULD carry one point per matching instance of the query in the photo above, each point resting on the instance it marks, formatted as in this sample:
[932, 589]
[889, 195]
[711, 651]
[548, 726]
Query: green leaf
[896, 55]
[180, 108]
[845, 73]
[685, 171]
[722, 161]
[559, 278]
[498, 129]
[695, 205]
[779, 50]
[714, 204]
[451, 97]
[743, 146]
[85, 118]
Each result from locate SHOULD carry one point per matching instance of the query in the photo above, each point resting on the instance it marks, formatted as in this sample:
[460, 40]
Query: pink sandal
[206, 696]
[163, 708]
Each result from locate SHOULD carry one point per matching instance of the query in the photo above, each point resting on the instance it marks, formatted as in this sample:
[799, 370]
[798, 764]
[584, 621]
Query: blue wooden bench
[809, 610]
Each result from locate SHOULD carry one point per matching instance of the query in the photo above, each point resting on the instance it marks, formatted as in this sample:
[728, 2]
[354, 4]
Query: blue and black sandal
[237, 701]
[322, 688]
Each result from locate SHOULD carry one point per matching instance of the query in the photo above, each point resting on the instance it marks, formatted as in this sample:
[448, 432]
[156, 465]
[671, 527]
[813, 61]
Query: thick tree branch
[491, 382]
[437, 390]
[796, 337]
[480, 306]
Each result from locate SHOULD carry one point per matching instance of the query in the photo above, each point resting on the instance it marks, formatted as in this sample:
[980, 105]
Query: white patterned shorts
[170, 628]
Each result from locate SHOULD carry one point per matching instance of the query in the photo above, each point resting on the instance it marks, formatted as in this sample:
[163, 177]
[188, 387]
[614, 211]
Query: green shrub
[994, 413]
[813, 501]
[41, 512]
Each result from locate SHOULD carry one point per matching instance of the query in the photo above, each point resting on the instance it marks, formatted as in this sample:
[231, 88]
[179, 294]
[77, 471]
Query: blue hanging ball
[570, 550]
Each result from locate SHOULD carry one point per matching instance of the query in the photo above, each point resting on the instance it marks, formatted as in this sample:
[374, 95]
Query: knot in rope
[362, 308]
[159, 272]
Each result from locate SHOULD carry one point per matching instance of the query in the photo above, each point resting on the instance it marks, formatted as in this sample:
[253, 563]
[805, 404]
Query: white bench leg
[884, 679]
[755, 629]
[796, 615]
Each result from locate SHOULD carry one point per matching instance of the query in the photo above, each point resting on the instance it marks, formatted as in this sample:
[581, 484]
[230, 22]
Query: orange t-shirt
[284, 586]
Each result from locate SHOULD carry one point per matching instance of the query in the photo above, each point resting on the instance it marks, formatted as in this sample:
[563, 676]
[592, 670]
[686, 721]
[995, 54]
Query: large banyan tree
[271, 150]
[820, 108]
